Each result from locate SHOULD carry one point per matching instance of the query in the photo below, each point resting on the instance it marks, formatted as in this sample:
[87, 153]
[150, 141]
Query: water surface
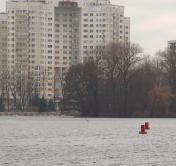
[53, 141]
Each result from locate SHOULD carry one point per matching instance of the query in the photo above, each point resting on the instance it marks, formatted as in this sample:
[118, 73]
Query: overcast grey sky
[153, 22]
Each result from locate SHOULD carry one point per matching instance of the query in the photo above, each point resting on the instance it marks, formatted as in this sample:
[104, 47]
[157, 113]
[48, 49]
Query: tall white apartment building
[31, 45]
[3, 53]
[102, 23]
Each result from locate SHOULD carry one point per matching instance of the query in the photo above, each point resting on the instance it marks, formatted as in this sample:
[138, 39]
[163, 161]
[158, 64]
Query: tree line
[120, 82]
[116, 81]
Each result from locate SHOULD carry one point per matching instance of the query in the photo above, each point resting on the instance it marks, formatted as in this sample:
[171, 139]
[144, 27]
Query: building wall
[3, 41]
[67, 40]
[103, 23]
[31, 44]
[3, 53]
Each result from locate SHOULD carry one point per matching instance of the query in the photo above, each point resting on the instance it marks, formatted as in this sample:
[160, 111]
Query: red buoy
[142, 130]
[147, 126]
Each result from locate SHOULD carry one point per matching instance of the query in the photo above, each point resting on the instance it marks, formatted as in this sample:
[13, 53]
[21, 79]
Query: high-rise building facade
[31, 45]
[102, 23]
[3, 53]
[3, 41]
[67, 40]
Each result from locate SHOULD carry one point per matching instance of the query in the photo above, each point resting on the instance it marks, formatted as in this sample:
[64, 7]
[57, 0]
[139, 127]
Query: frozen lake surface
[53, 141]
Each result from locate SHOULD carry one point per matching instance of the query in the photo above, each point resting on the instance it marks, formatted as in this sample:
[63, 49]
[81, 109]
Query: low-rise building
[172, 44]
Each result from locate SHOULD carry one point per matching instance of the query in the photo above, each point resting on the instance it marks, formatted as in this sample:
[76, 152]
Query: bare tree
[168, 64]
[81, 88]
[119, 60]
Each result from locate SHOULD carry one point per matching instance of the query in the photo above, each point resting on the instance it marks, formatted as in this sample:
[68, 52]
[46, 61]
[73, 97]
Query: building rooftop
[68, 3]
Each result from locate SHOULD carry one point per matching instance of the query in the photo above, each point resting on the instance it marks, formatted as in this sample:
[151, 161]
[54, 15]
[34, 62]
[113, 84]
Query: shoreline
[59, 114]
[31, 114]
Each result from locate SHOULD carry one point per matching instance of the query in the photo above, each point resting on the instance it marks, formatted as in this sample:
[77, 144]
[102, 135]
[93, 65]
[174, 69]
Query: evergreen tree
[2, 108]
[51, 106]
[42, 105]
